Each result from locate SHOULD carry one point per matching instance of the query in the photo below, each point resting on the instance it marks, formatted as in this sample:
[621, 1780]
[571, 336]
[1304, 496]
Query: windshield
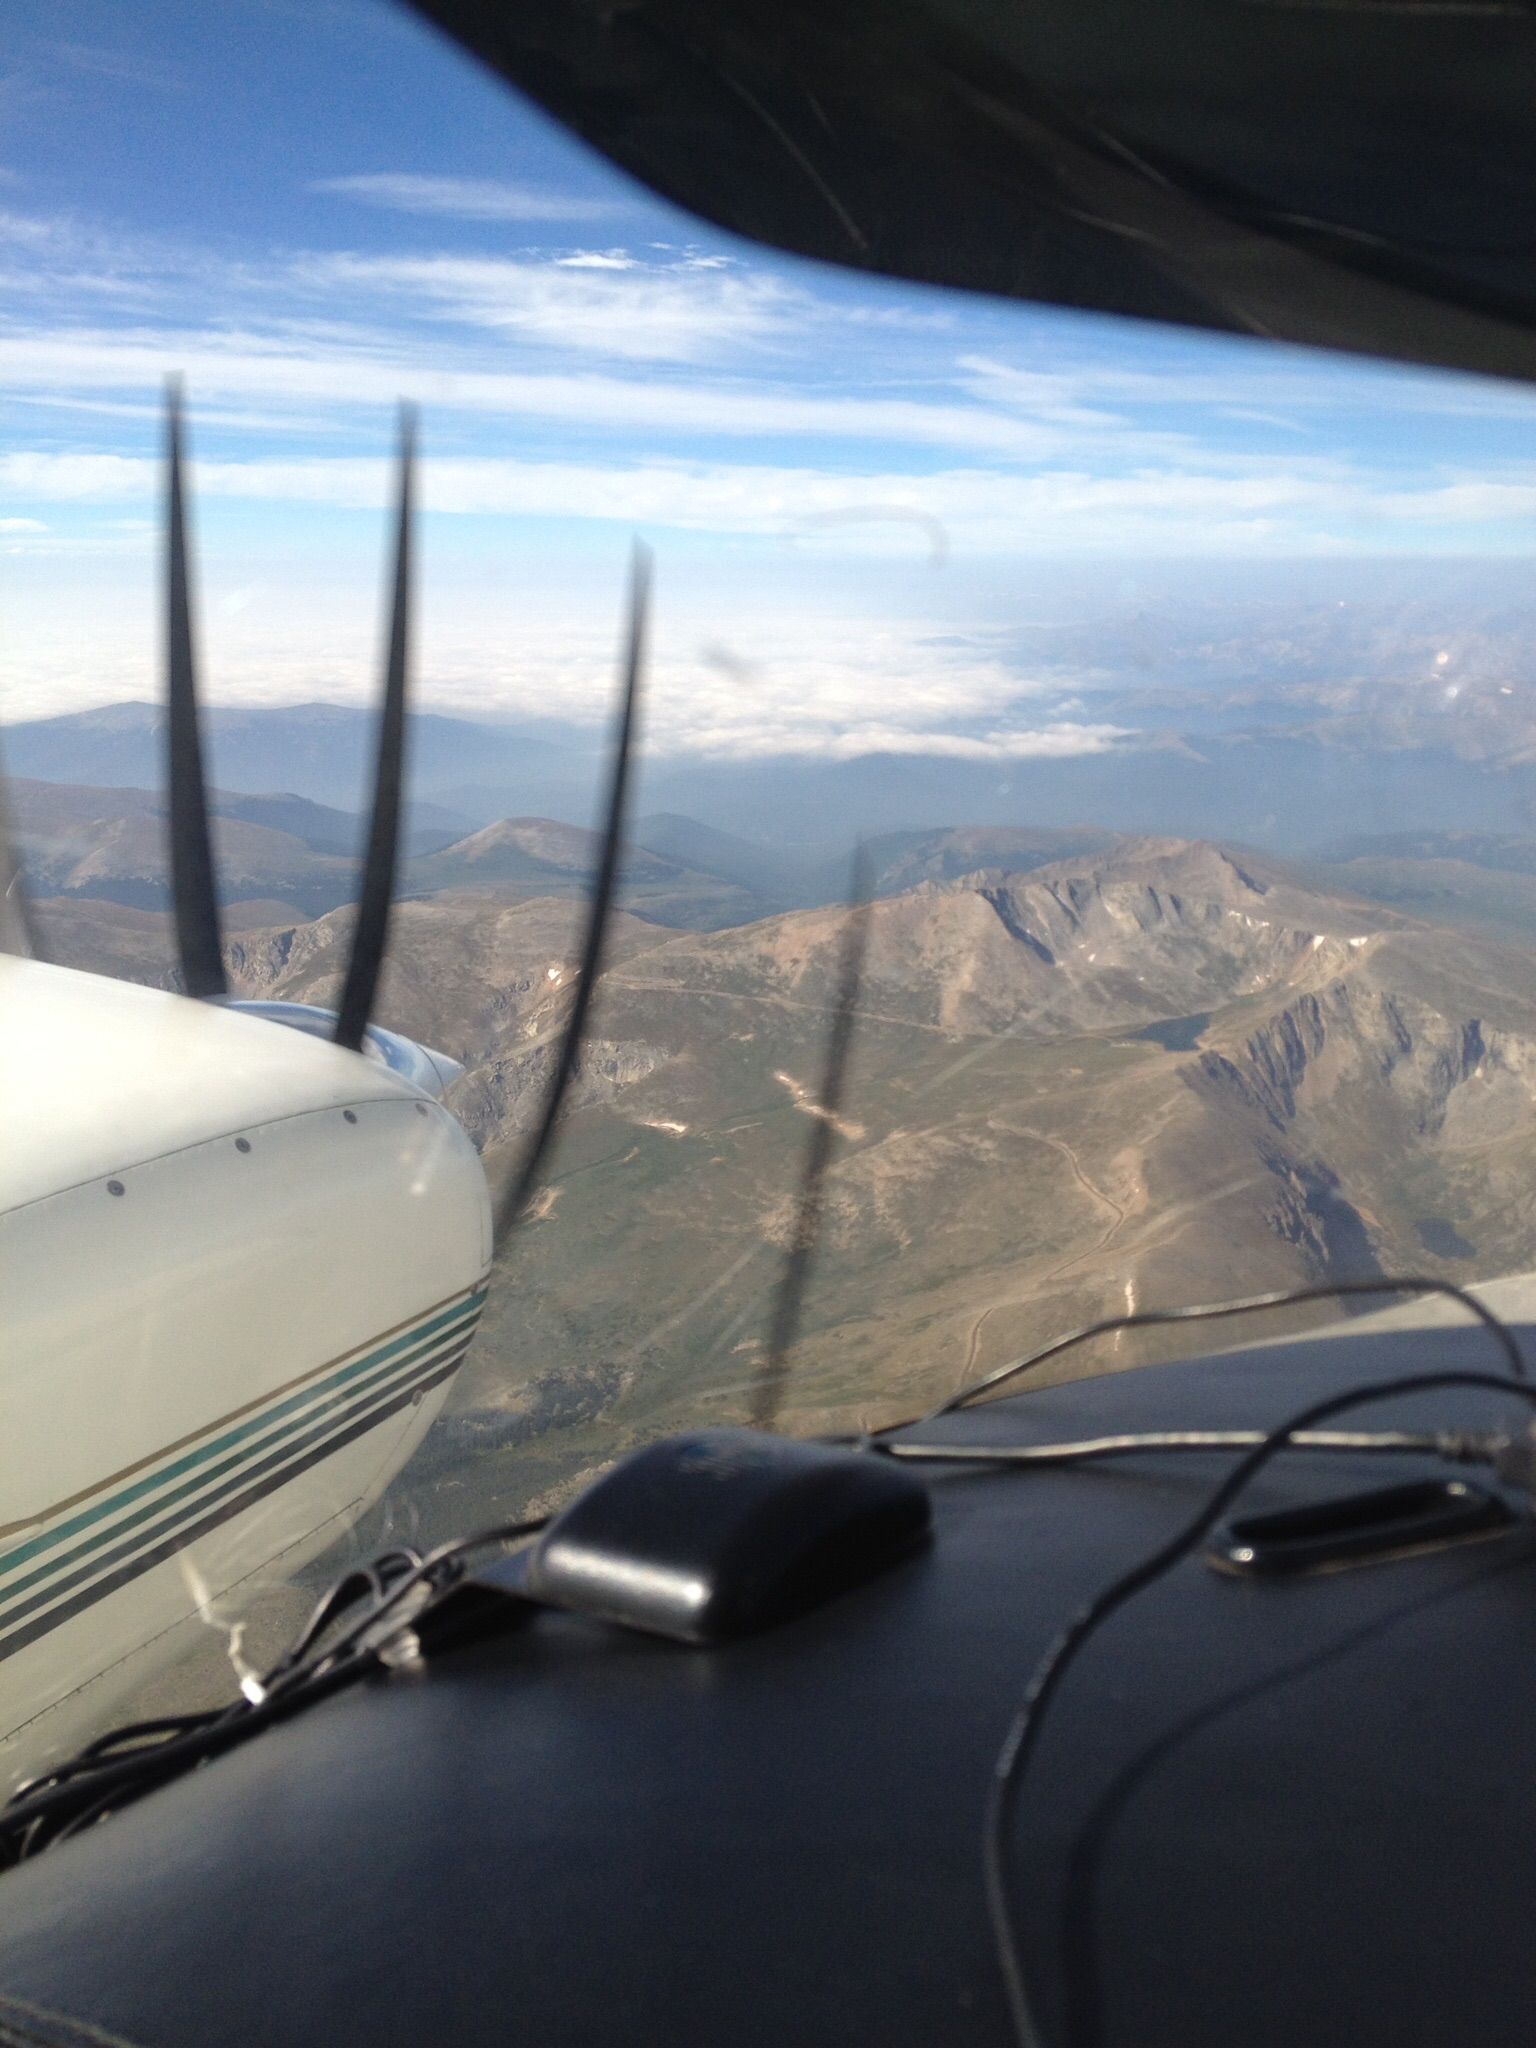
[1081, 855]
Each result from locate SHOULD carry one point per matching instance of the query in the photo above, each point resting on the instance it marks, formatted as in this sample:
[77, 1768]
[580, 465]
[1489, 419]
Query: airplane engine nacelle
[239, 1266]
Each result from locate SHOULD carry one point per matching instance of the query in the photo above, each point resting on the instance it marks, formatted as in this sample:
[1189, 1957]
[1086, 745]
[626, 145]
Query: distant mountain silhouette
[320, 751]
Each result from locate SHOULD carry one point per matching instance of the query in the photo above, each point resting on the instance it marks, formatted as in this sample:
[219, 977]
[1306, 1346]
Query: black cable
[100, 1780]
[117, 1738]
[435, 1572]
[515, 1196]
[335, 1601]
[1214, 1311]
[1459, 1446]
[106, 1747]
[1024, 1732]
[376, 894]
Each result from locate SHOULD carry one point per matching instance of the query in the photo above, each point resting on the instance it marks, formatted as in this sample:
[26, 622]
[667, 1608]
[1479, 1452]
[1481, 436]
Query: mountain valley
[1125, 1074]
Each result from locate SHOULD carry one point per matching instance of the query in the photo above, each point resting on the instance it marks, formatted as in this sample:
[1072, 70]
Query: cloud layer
[766, 424]
[473, 199]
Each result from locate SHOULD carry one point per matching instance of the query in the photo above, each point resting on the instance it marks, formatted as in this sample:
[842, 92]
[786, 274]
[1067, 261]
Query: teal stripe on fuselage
[313, 1422]
[464, 1311]
[109, 1568]
[292, 1451]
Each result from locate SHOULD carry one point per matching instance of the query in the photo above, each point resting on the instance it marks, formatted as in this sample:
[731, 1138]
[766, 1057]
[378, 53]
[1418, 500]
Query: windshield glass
[1081, 856]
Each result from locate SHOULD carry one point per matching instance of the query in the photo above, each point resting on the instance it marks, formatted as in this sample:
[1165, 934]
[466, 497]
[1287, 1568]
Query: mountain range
[1139, 1072]
[1288, 771]
[286, 856]
[280, 856]
[322, 751]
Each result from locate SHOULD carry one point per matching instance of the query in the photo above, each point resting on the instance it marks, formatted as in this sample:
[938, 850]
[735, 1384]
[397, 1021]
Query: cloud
[767, 421]
[28, 230]
[812, 684]
[70, 260]
[246, 419]
[1480, 501]
[1240, 379]
[720, 496]
[1047, 395]
[1052, 742]
[929, 518]
[978, 512]
[597, 259]
[99, 479]
[827, 687]
[482, 199]
[662, 312]
[374, 373]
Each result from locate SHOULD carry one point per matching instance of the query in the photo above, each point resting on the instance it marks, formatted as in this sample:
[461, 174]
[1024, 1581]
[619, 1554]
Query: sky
[857, 491]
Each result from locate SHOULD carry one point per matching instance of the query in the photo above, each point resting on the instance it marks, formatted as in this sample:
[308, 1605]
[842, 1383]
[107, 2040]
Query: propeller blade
[772, 1379]
[519, 1189]
[370, 935]
[192, 887]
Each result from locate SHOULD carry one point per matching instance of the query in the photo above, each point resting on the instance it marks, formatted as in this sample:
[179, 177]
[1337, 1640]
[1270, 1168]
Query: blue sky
[857, 490]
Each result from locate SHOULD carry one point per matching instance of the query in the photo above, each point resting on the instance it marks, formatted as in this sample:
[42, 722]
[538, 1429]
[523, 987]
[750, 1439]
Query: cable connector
[1513, 1458]
[1468, 1446]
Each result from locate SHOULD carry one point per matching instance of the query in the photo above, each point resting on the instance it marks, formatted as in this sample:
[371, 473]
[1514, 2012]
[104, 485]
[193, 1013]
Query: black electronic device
[724, 1531]
[1360, 1528]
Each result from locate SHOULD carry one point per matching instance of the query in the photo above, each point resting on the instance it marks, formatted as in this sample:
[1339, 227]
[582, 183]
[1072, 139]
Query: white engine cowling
[238, 1268]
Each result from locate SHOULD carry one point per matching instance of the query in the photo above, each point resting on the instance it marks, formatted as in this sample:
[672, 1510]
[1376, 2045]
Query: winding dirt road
[1117, 1215]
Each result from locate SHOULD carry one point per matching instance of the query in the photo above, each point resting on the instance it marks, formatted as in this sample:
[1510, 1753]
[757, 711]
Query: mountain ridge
[1020, 1147]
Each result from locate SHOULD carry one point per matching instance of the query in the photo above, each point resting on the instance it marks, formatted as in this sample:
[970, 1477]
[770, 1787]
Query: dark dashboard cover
[1268, 1812]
